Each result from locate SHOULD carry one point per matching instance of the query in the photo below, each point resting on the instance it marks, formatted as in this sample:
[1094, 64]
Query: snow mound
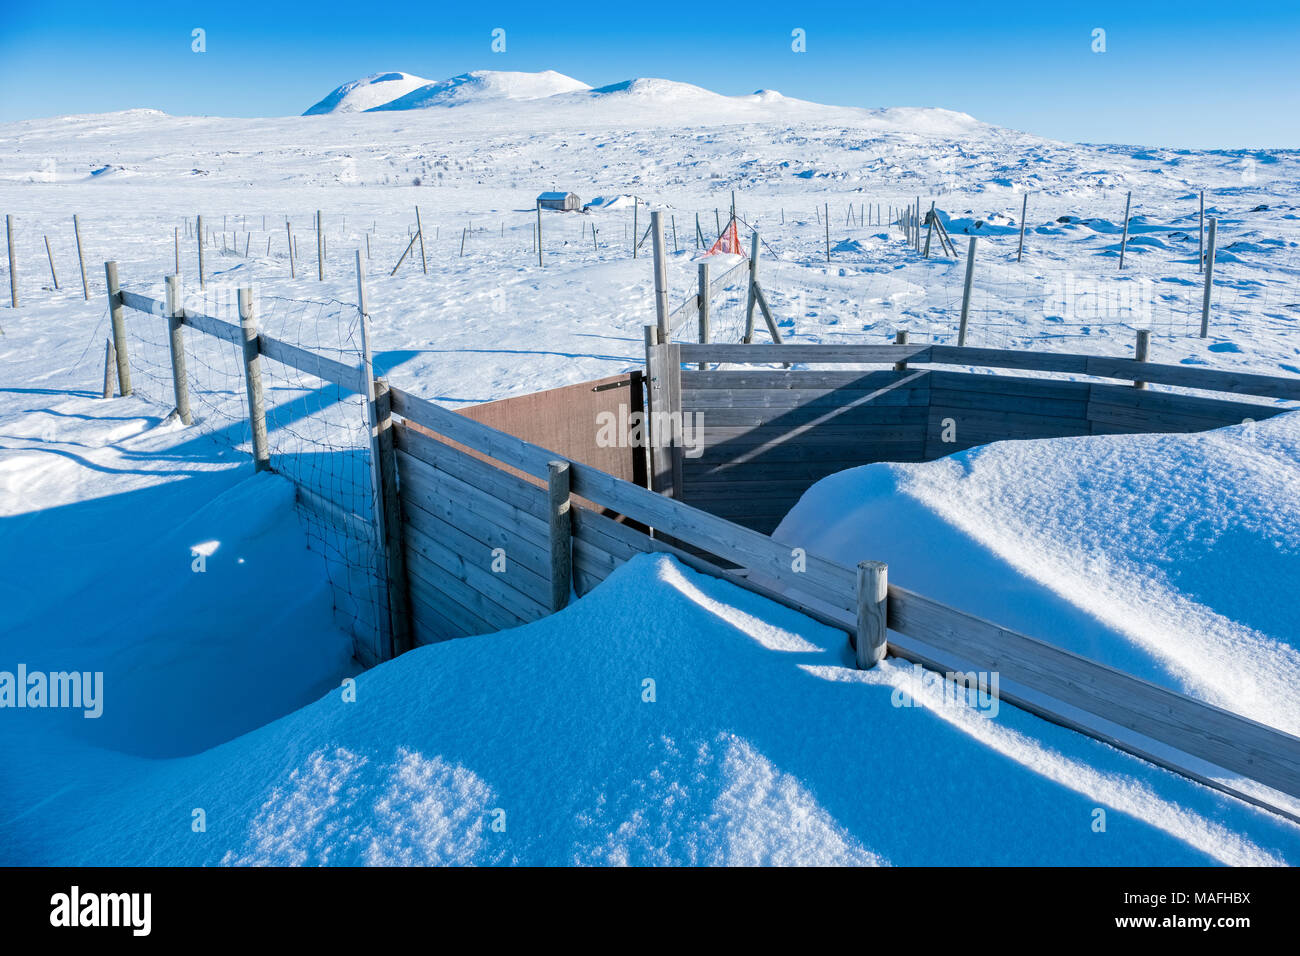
[484, 85]
[659, 90]
[1147, 552]
[666, 718]
[367, 93]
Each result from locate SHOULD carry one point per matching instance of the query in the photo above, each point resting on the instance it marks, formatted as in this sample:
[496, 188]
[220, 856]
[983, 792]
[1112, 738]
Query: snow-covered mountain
[484, 85]
[652, 100]
[368, 93]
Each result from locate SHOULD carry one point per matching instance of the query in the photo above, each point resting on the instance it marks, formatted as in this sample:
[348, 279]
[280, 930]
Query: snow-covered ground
[762, 739]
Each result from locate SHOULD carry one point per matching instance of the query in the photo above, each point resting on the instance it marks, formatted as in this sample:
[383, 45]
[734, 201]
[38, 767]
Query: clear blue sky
[1189, 73]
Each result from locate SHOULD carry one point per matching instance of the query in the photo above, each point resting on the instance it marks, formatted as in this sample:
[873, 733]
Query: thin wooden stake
[13, 272]
[110, 359]
[751, 299]
[965, 291]
[1024, 209]
[419, 231]
[320, 249]
[1209, 279]
[1123, 242]
[1200, 243]
[199, 230]
[49, 255]
[81, 259]
[288, 232]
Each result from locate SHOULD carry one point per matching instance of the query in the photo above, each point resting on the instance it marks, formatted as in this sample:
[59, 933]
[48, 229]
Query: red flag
[729, 241]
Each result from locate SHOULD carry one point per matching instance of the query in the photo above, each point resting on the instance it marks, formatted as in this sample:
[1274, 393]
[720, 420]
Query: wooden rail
[1134, 715]
[322, 367]
[1216, 380]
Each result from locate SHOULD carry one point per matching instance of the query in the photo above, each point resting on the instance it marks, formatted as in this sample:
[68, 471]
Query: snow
[761, 746]
[369, 92]
[1170, 556]
[484, 86]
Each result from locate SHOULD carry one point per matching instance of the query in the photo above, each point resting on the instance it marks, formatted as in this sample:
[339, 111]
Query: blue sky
[1190, 73]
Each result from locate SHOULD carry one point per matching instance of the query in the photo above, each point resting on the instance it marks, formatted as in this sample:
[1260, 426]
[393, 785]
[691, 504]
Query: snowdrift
[1172, 557]
[666, 718]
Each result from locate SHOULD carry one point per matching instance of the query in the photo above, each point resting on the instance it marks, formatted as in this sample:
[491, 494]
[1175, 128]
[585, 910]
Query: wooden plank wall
[565, 420]
[768, 434]
[457, 510]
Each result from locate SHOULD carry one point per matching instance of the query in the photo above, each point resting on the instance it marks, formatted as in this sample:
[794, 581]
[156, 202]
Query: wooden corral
[768, 433]
[482, 530]
[454, 592]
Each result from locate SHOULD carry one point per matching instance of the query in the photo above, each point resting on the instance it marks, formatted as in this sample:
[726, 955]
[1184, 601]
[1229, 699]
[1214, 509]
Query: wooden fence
[483, 530]
[455, 593]
[765, 435]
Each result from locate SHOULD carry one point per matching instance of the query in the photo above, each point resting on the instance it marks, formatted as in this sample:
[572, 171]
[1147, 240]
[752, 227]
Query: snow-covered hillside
[484, 86]
[367, 93]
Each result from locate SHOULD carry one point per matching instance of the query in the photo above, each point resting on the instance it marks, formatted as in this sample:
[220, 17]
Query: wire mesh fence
[318, 432]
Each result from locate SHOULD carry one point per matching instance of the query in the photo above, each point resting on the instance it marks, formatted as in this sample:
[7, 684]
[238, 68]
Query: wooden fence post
[1209, 279]
[636, 204]
[827, 218]
[419, 231]
[929, 231]
[288, 235]
[704, 306]
[661, 273]
[1143, 350]
[383, 487]
[751, 298]
[399, 589]
[176, 339]
[320, 249]
[900, 338]
[176, 246]
[115, 314]
[873, 598]
[539, 235]
[965, 291]
[13, 272]
[81, 259]
[1123, 242]
[1024, 210]
[199, 231]
[1200, 242]
[560, 521]
[49, 255]
[253, 381]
